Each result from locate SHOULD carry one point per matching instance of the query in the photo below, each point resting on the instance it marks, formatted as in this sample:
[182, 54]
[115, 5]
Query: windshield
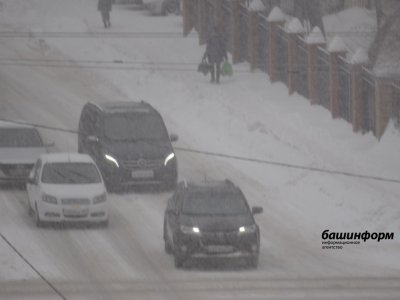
[20, 137]
[70, 173]
[135, 126]
[215, 203]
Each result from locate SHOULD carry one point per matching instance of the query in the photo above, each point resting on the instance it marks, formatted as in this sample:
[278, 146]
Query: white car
[20, 147]
[67, 187]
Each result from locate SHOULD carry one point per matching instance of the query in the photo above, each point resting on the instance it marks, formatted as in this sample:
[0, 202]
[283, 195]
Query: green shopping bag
[227, 69]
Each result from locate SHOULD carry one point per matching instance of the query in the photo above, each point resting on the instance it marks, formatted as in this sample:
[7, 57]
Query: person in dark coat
[215, 53]
[104, 6]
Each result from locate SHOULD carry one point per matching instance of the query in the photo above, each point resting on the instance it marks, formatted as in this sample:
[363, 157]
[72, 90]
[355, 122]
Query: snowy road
[127, 260]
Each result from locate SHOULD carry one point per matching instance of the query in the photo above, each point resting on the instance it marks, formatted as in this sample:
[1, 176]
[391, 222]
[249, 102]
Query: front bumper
[68, 213]
[219, 245]
[126, 175]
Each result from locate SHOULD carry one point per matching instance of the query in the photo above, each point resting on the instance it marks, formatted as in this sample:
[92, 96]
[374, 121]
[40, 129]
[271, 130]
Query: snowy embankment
[244, 116]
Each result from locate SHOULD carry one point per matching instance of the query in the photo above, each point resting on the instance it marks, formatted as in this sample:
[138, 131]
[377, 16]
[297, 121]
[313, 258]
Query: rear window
[70, 173]
[20, 137]
[215, 202]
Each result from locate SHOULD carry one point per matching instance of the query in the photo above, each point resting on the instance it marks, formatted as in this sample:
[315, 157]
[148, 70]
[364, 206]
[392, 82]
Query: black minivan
[129, 142]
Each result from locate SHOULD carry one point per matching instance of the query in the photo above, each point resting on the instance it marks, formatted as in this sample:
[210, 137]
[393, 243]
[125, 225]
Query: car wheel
[253, 262]
[30, 210]
[170, 7]
[167, 246]
[39, 223]
[178, 260]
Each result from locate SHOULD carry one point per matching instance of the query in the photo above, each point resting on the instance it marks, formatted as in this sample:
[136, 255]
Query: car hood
[73, 190]
[139, 149]
[217, 223]
[20, 155]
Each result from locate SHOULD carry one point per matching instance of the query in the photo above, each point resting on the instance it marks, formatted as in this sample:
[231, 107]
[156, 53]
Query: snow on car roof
[66, 157]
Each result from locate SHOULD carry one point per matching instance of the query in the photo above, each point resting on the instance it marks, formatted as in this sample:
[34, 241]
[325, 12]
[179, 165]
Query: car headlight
[168, 158]
[100, 199]
[111, 159]
[190, 229]
[248, 229]
[49, 199]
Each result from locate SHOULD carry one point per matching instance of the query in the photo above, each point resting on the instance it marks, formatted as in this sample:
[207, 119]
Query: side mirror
[92, 139]
[256, 210]
[173, 137]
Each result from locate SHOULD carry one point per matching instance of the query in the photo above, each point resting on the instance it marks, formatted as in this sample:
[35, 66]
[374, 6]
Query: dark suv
[129, 143]
[211, 219]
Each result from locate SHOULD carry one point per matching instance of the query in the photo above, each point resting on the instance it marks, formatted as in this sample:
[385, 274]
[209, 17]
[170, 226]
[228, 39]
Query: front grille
[142, 164]
[218, 238]
[75, 201]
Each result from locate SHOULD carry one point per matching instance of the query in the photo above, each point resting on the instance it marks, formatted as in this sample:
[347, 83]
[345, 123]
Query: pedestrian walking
[104, 6]
[215, 53]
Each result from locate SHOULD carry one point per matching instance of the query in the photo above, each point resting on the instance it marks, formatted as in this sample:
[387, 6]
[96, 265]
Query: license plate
[74, 212]
[219, 248]
[140, 174]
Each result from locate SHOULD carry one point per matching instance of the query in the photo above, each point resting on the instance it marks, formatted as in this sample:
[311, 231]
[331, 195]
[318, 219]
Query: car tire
[170, 7]
[178, 260]
[253, 262]
[31, 212]
[39, 223]
[167, 246]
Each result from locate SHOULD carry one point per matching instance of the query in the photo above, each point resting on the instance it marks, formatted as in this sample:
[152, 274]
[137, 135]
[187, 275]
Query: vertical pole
[383, 105]
[253, 40]
[334, 83]
[292, 60]
[201, 18]
[356, 101]
[187, 13]
[272, 52]
[235, 25]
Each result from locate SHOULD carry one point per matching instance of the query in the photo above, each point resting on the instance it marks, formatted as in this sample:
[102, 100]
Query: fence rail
[322, 71]
[344, 89]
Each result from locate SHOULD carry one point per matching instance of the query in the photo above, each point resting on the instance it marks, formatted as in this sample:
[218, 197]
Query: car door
[33, 188]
